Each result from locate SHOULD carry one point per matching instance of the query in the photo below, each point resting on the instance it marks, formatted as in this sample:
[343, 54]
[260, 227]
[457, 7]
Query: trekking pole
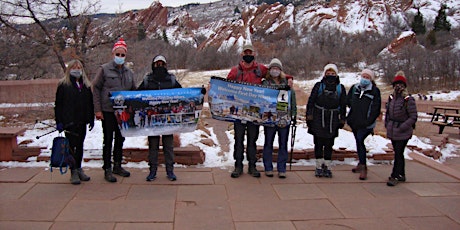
[293, 131]
[38, 137]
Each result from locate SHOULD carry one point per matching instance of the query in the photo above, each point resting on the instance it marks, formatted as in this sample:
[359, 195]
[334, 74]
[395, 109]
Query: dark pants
[360, 136]
[251, 149]
[76, 137]
[168, 146]
[109, 126]
[323, 147]
[399, 164]
[283, 134]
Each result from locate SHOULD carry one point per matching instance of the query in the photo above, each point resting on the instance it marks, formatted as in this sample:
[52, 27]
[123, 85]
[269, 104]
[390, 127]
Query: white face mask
[76, 73]
[275, 72]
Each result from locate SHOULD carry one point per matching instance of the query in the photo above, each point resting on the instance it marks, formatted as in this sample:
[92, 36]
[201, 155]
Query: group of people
[79, 101]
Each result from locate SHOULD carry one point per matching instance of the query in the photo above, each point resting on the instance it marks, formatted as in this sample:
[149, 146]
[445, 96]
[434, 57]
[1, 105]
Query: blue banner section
[157, 112]
[263, 105]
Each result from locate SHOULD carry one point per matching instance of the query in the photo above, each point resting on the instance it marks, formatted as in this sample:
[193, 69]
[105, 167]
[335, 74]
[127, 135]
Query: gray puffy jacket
[400, 117]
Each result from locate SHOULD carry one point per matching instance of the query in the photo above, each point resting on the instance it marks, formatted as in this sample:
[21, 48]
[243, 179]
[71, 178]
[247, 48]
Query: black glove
[60, 127]
[91, 125]
[203, 90]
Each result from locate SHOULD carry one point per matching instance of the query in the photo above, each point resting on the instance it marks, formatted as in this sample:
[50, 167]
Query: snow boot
[108, 176]
[74, 179]
[237, 172]
[326, 169]
[319, 172]
[82, 175]
[363, 172]
[253, 171]
[357, 168]
[117, 169]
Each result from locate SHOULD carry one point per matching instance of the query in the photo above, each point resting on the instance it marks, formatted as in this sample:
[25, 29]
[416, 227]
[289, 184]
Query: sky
[117, 6]
[214, 158]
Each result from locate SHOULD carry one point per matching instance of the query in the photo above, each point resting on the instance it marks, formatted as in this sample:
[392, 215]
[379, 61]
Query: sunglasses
[120, 55]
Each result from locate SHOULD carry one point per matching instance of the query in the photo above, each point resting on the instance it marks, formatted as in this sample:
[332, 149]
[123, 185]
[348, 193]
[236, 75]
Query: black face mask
[330, 79]
[248, 58]
[160, 71]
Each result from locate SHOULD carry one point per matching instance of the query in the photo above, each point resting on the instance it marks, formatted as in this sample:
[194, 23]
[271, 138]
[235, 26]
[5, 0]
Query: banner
[263, 105]
[157, 112]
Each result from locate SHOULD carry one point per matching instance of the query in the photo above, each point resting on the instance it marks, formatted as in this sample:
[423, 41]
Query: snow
[214, 156]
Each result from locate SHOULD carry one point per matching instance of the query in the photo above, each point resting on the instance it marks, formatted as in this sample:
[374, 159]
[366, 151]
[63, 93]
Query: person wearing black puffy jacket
[364, 101]
[73, 111]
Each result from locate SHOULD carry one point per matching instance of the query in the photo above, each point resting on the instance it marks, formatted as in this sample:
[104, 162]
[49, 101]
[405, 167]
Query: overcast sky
[112, 6]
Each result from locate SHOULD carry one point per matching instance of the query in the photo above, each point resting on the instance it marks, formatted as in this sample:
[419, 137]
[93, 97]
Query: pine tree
[441, 23]
[418, 26]
[236, 10]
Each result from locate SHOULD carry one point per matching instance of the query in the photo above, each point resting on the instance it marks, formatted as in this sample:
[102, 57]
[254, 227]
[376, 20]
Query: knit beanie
[120, 44]
[368, 72]
[275, 62]
[400, 77]
[330, 67]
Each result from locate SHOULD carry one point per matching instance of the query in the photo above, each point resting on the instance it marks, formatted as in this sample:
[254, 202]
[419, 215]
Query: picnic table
[450, 117]
[8, 141]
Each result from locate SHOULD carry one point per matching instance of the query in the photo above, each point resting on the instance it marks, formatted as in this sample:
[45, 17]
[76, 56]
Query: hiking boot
[170, 175]
[117, 169]
[362, 172]
[253, 172]
[108, 176]
[356, 169]
[82, 175]
[269, 173]
[152, 175]
[74, 179]
[318, 172]
[327, 172]
[392, 181]
[282, 175]
[237, 172]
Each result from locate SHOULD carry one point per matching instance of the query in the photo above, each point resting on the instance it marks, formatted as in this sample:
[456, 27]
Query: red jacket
[250, 75]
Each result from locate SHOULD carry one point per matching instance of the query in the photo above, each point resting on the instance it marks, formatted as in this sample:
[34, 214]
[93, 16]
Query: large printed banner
[263, 105]
[157, 112]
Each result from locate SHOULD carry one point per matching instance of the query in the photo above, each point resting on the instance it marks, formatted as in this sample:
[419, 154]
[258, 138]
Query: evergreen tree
[441, 23]
[165, 37]
[236, 10]
[140, 32]
[418, 26]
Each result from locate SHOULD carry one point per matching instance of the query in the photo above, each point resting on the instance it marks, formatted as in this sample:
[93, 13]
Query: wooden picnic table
[445, 109]
[450, 120]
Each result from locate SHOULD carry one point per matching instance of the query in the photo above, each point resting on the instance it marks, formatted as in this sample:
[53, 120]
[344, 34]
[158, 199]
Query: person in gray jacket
[400, 119]
[112, 76]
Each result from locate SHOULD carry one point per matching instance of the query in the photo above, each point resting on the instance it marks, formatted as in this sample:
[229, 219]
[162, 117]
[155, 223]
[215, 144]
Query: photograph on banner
[264, 105]
[157, 112]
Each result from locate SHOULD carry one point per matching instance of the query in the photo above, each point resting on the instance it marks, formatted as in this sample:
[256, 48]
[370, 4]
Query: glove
[294, 120]
[60, 127]
[341, 124]
[203, 90]
[91, 125]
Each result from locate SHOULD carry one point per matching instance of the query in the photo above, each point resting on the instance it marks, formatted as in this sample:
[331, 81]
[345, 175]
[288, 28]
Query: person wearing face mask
[326, 109]
[73, 111]
[276, 77]
[248, 70]
[400, 119]
[158, 79]
[112, 76]
[364, 101]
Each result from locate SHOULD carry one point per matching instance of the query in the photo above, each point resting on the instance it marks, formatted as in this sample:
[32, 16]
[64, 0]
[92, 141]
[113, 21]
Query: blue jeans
[360, 136]
[283, 134]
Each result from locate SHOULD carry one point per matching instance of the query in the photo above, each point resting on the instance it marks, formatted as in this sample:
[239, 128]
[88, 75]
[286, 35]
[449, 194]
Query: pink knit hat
[368, 72]
[120, 44]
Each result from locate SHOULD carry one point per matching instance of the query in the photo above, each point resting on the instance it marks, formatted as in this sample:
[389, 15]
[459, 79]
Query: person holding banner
[112, 76]
[326, 110]
[276, 77]
[248, 70]
[159, 79]
[73, 110]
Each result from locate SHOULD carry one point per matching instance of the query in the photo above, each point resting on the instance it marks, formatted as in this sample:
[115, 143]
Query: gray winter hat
[275, 62]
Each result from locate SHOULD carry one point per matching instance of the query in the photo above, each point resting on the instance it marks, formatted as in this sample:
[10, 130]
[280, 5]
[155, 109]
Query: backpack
[257, 72]
[406, 99]
[60, 155]
[322, 90]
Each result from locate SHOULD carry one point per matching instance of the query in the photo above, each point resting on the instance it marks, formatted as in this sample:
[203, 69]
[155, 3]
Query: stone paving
[208, 198]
